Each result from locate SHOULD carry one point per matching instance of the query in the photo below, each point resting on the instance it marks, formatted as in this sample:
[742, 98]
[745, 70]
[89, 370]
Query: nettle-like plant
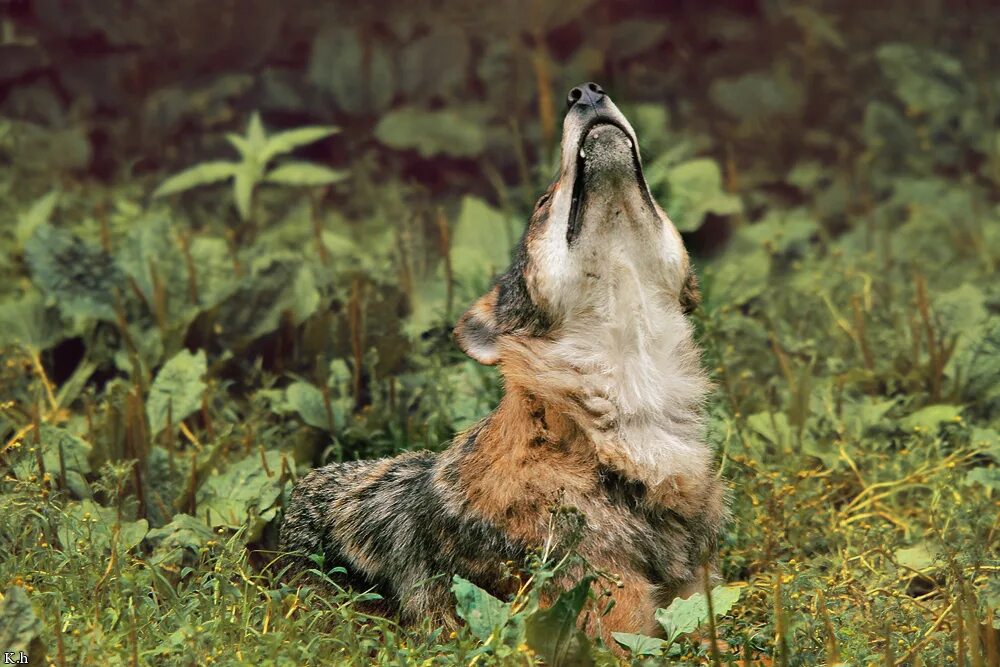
[257, 153]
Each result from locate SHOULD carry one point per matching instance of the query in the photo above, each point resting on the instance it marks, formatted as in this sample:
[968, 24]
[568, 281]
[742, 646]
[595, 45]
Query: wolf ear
[476, 332]
[690, 293]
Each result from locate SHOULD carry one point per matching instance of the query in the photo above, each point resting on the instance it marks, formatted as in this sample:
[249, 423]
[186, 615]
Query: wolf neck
[638, 352]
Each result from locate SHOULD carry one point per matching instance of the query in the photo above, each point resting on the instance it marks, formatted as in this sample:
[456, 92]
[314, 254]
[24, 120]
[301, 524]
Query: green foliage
[257, 150]
[682, 616]
[686, 615]
[432, 133]
[19, 625]
[553, 633]
[835, 168]
[484, 614]
[695, 189]
[177, 391]
[245, 495]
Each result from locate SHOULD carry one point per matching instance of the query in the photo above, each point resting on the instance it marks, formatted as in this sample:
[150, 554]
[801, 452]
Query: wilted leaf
[178, 388]
[482, 612]
[432, 133]
[552, 633]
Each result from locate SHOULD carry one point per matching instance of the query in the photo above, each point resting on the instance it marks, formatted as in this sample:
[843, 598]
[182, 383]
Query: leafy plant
[257, 151]
[683, 616]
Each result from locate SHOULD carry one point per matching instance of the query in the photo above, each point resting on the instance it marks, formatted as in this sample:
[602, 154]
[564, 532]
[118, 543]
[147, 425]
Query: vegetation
[171, 358]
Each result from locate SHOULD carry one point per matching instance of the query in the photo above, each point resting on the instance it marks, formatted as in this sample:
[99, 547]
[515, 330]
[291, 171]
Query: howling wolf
[601, 412]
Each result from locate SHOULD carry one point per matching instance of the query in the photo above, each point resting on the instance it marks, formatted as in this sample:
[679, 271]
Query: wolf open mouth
[580, 175]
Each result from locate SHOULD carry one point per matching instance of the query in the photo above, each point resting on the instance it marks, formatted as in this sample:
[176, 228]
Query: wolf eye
[541, 201]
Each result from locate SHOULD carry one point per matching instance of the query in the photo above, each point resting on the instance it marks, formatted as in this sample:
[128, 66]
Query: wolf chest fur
[601, 412]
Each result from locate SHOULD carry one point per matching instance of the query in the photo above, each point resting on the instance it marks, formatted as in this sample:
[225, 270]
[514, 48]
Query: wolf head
[596, 243]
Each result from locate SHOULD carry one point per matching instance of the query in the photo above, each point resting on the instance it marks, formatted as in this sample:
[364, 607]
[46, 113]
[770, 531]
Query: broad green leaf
[304, 174]
[686, 615]
[20, 628]
[278, 283]
[553, 634]
[37, 214]
[773, 426]
[482, 240]
[780, 231]
[695, 190]
[32, 323]
[243, 494]
[639, 645]
[986, 440]
[986, 477]
[244, 180]
[75, 456]
[924, 79]
[256, 138]
[358, 76]
[931, 417]
[214, 271]
[432, 133]
[482, 612]
[481, 244]
[435, 63]
[184, 533]
[307, 400]
[91, 527]
[79, 277]
[865, 414]
[178, 388]
[240, 144]
[205, 173]
[282, 143]
[738, 277]
[150, 246]
[758, 96]
[918, 557]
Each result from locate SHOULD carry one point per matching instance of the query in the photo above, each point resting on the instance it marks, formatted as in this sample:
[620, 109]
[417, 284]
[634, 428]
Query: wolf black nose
[587, 94]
